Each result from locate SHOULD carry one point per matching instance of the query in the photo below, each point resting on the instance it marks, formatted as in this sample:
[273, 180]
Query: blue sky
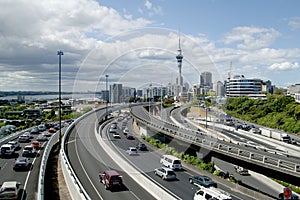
[136, 41]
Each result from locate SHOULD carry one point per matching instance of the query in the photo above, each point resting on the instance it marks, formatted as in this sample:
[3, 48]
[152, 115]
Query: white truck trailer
[275, 135]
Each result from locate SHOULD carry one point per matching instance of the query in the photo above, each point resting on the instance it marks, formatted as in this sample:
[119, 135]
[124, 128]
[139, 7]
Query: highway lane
[88, 158]
[142, 113]
[28, 179]
[147, 161]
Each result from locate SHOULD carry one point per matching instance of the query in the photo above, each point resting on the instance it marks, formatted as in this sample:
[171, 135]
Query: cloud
[284, 66]
[151, 10]
[251, 37]
[148, 4]
[32, 32]
[294, 23]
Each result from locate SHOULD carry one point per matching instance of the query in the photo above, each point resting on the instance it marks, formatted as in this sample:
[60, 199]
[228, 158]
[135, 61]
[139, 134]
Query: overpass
[272, 165]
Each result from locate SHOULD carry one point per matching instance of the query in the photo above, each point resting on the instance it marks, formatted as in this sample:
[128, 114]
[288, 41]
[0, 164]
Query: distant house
[33, 113]
[13, 113]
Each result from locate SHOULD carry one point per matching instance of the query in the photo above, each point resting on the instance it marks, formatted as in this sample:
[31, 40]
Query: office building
[241, 86]
[116, 93]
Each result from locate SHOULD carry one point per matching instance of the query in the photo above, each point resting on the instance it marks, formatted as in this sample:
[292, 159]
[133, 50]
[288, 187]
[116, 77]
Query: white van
[7, 150]
[211, 193]
[171, 162]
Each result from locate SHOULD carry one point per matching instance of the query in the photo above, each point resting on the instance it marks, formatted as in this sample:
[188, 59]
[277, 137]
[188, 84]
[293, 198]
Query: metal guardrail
[75, 188]
[193, 137]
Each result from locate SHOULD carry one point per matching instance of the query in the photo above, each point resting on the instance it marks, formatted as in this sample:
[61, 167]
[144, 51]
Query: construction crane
[229, 73]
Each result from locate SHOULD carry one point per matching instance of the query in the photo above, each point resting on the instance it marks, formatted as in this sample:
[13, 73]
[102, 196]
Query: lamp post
[59, 53]
[107, 96]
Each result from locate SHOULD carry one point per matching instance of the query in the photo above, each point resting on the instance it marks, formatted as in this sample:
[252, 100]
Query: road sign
[287, 193]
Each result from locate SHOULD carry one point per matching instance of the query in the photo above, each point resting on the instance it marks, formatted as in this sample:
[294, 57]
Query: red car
[36, 144]
[129, 137]
[52, 130]
[111, 179]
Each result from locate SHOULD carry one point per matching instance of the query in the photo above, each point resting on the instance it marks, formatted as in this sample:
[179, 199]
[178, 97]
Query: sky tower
[179, 81]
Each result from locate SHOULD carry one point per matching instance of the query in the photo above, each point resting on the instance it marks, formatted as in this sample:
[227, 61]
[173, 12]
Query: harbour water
[53, 97]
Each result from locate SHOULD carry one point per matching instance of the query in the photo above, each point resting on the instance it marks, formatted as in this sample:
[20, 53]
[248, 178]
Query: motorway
[88, 158]
[28, 179]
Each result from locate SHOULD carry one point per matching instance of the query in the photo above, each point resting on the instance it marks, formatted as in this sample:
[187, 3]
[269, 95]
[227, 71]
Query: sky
[135, 42]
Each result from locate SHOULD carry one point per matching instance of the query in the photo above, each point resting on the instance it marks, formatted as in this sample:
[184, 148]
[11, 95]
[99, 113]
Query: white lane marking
[85, 170]
[28, 175]
[3, 166]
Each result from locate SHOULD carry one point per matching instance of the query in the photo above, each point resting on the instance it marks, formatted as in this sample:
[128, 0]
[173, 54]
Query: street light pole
[107, 96]
[59, 53]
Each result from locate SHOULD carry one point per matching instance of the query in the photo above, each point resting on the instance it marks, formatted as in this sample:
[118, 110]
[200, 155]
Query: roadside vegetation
[276, 111]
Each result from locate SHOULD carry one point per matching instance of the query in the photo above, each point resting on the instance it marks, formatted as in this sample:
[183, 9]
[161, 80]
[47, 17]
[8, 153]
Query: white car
[126, 131]
[116, 135]
[132, 151]
[165, 173]
[15, 144]
[24, 138]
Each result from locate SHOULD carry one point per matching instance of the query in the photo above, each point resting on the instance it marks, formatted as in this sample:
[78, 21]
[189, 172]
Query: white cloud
[294, 23]
[284, 66]
[32, 32]
[251, 37]
[148, 4]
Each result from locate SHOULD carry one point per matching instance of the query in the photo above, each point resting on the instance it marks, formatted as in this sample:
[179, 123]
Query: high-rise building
[116, 93]
[206, 80]
[105, 95]
[220, 89]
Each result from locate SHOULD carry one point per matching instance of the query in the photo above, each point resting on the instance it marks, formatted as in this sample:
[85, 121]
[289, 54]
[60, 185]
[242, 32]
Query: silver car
[165, 173]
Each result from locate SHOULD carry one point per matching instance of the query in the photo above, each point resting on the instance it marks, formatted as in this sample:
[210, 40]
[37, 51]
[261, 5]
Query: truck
[275, 135]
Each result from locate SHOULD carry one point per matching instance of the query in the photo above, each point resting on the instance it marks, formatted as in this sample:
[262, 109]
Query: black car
[142, 147]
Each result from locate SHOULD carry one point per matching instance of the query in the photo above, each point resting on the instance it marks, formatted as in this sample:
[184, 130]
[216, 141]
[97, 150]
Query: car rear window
[115, 178]
[177, 162]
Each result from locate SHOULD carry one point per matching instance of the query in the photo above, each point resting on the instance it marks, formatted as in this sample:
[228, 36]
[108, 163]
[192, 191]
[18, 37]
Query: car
[21, 163]
[113, 126]
[41, 138]
[7, 150]
[126, 131]
[130, 137]
[112, 130]
[293, 141]
[204, 181]
[116, 135]
[142, 147]
[36, 144]
[52, 130]
[47, 133]
[132, 151]
[42, 127]
[15, 145]
[241, 170]
[211, 193]
[10, 190]
[35, 130]
[111, 179]
[165, 173]
[29, 151]
[24, 138]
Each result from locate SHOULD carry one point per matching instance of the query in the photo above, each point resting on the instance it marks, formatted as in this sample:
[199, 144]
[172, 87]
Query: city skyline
[136, 43]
